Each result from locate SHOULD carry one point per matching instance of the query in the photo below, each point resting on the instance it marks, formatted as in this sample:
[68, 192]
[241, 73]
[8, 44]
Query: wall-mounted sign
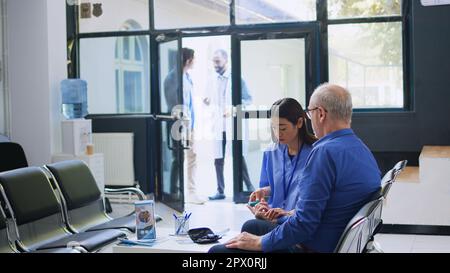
[434, 2]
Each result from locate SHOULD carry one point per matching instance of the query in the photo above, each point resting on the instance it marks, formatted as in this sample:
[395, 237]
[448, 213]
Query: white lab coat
[221, 123]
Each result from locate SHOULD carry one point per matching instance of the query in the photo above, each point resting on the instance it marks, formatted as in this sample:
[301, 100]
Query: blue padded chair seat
[128, 222]
[90, 241]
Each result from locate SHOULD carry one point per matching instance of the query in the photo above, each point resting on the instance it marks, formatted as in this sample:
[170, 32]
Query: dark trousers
[219, 163]
[255, 227]
[175, 172]
[258, 227]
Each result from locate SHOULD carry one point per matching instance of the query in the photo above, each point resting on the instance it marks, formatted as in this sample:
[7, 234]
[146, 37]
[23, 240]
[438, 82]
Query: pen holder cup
[181, 225]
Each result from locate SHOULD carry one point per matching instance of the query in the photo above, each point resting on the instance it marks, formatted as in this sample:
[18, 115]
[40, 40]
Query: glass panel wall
[269, 77]
[117, 73]
[367, 59]
[274, 11]
[338, 9]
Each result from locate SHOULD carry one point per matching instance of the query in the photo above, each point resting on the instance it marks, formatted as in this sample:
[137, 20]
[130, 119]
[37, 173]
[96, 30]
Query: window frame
[233, 29]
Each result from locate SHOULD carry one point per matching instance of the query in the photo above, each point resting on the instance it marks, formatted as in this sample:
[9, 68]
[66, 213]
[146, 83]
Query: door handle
[165, 117]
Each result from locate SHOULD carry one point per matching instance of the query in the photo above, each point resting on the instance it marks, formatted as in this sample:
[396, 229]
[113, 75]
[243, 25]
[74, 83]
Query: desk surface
[171, 244]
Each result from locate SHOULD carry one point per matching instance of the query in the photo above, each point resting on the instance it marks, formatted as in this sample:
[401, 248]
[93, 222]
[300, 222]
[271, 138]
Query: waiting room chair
[12, 156]
[358, 234]
[386, 184]
[82, 200]
[6, 245]
[37, 217]
[400, 166]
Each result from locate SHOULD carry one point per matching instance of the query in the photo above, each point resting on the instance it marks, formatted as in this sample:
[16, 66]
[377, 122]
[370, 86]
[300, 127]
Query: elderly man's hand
[245, 241]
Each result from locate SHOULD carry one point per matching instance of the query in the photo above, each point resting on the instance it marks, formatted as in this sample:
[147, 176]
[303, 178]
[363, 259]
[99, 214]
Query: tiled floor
[221, 215]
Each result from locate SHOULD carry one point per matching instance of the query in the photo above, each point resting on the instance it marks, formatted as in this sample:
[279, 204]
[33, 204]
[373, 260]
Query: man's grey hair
[335, 99]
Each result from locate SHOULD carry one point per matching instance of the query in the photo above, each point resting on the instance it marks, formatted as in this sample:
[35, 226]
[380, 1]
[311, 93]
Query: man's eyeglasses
[308, 112]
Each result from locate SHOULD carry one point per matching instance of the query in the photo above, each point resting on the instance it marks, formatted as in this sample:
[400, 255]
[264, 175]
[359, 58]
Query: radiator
[117, 149]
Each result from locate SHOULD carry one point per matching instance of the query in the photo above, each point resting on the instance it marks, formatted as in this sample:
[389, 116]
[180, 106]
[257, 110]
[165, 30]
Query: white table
[172, 244]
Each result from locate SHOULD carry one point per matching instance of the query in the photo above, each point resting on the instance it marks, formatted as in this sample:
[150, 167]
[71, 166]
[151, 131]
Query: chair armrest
[135, 191]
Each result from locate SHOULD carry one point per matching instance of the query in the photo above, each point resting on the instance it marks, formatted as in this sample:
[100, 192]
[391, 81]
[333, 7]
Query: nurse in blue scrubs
[282, 167]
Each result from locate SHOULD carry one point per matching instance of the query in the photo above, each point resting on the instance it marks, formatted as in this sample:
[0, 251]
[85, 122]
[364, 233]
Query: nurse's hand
[275, 213]
[245, 241]
[259, 194]
[261, 209]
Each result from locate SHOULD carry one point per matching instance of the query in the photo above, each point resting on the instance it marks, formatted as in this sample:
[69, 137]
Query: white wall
[115, 14]
[36, 65]
[176, 14]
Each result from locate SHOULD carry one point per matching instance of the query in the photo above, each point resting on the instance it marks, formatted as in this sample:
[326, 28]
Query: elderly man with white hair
[340, 176]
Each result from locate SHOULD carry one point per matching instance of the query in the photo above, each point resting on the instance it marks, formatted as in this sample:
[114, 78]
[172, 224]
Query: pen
[179, 227]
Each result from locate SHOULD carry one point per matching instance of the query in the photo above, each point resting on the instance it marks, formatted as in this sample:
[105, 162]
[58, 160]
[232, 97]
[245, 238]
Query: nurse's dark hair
[188, 54]
[292, 110]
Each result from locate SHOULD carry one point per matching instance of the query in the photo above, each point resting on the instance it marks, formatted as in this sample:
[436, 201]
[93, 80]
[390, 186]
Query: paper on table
[144, 242]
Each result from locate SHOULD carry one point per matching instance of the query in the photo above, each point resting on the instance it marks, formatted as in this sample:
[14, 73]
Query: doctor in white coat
[220, 99]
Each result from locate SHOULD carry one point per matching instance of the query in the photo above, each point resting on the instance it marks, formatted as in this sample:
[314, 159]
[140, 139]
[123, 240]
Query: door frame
[160, 116]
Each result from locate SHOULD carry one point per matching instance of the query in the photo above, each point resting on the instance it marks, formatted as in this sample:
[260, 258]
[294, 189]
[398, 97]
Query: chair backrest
[76, 183]
[82, 198]
[30, 194]
[33, 206]
[12, 156]
[361, 228]
[2, 220]
[400, 166]
[391, 176]
[386, 182]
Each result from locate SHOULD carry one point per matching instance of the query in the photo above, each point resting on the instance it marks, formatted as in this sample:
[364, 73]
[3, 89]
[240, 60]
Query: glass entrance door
[271, 66]
[171, 126]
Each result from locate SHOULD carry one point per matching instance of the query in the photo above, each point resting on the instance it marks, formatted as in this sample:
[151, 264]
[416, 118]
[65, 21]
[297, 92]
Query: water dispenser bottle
[74, 98]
